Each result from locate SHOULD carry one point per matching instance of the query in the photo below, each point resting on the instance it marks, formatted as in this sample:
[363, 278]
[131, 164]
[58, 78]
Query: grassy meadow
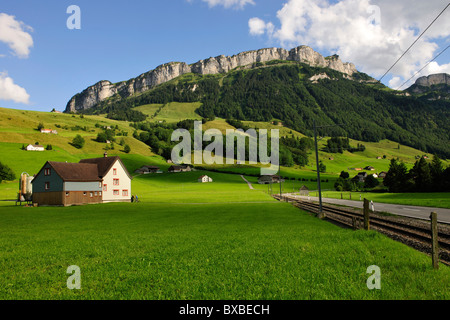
[187, 240]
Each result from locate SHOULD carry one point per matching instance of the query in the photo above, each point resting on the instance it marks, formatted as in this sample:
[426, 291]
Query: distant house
[375, 176]
[304, 191]
[360, 177]
[331, 158]
[379, 158]
[180, 168]
[90, 181]
[358, 169]
[49, 131]
[148, 169]
[204, 179]
[370, 168]
[267, 179]
[35, 147]
[382, 174]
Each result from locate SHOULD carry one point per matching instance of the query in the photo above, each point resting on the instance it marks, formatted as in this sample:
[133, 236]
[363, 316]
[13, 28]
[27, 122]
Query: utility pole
[321, 215]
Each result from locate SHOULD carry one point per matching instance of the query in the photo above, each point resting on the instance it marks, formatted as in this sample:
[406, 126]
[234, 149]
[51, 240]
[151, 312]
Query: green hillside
[364, 111]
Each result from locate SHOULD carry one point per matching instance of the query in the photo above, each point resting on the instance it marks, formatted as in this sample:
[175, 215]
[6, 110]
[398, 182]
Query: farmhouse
[35, 147]
[148, 169]
[267, 179]
[96, 180]
[49, 131]
[204, 179]
[304, 191]
[382, 174]
[360, 177]
[369, 168]
[180, 168]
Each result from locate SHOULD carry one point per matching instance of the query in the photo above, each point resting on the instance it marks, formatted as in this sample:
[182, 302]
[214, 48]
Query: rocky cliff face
[102, 90]
[438, 78]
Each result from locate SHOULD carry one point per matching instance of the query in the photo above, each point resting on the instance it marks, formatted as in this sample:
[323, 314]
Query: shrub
[78, 142]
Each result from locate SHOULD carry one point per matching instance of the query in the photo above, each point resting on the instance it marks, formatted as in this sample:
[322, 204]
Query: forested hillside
[366, 111]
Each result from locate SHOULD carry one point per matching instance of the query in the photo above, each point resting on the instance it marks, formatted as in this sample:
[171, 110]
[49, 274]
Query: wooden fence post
[366, 214]
[434, 241]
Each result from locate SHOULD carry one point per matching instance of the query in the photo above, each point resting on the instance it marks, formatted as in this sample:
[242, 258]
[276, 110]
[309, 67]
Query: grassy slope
[184, 242]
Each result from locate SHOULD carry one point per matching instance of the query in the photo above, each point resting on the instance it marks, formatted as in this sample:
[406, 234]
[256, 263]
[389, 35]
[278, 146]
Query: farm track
[413, 232]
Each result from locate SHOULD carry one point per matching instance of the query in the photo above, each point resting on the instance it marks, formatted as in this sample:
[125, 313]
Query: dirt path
[249, 184]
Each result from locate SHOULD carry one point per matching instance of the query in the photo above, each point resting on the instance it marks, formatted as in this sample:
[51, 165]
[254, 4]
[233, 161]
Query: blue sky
[119, 40]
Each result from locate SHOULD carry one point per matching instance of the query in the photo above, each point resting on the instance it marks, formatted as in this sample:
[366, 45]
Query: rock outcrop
[433, 79]
[102, 90]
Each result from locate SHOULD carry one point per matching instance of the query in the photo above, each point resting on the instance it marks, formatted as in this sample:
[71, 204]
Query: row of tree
[423, 177]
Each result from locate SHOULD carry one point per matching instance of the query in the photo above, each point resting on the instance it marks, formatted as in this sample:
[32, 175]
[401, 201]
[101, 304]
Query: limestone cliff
[102, 90]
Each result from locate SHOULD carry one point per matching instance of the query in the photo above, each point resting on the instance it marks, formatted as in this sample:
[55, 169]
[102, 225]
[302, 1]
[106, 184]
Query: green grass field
[429, 199]
[187, 240]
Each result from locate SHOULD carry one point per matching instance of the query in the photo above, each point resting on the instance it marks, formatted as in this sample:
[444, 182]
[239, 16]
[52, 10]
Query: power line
[414, 42]
[423, 67]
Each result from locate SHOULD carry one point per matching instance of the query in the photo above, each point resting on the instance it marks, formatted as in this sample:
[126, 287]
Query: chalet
[375, 176]
[148, 169]
[370, 168]
[382, 174]
[331, 158]
[379, 158]
[180, 168]
[267, 179]
[360, 177]
[358, 169]
[35, 147]
[204, 179]
[304, 191]
[96, 180]
[49, 131]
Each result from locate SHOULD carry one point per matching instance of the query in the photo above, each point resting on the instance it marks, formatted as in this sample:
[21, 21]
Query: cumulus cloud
[237, 4]
[257, 26]
[370, 33]
[16, 35]
[11, 91]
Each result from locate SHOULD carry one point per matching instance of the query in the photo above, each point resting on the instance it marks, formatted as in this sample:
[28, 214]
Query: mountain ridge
[104, 89]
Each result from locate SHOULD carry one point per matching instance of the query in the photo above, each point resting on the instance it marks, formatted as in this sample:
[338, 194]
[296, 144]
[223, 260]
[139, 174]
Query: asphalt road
[397, 209]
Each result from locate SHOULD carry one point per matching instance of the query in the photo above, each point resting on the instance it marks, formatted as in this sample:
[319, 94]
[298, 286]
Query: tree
[437, 170]
[322, 167]
[422, 175]
[49, 147]
[344, 175]
[40, 126]
[101, 137]
[371, 182]
[6, 173]
[397, 177]
[78, 142]
[127, 149]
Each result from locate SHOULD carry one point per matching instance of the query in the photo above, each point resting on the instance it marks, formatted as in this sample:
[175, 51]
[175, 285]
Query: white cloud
[15, 34]
[370, 33]
[11, 91]
[237, 4]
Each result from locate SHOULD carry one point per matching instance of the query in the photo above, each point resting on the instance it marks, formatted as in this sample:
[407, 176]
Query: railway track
[413, 232]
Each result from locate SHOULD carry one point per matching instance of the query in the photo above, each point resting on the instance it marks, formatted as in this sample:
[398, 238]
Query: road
[397, 209]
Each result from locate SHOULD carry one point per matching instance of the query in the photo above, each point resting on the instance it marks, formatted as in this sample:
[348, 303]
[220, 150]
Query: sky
[49, 52]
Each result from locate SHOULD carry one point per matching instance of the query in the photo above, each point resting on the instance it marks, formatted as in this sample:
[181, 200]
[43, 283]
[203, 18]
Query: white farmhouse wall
[124, 184]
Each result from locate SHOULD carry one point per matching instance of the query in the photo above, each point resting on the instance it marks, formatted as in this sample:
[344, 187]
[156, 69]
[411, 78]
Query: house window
[84, 193]
[105, 187]
[47, 171]
[95, 193]
[100, 185]
[115, 172]
[100, 193]
[125, 193]
[47, 185]
[67, 194]
[116, 192]
[116, 182]
[91, 194]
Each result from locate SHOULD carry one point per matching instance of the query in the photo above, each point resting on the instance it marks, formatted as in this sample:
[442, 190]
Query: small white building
[49, 131]
[35, 147]
[204, 179]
